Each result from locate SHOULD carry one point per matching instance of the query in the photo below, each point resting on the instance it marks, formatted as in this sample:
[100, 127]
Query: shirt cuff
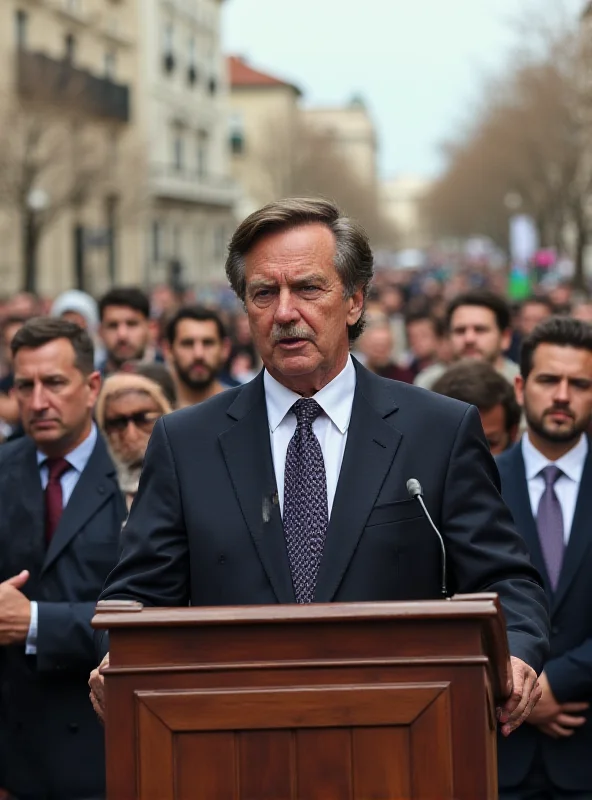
[31, 646]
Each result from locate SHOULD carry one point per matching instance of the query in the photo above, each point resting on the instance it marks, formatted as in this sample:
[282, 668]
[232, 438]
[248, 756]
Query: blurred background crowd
[452, 332]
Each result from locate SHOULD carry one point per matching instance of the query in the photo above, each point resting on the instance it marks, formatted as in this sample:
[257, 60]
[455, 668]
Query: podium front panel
[353, 741]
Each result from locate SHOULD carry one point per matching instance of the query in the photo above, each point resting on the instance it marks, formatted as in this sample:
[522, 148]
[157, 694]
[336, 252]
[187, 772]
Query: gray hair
[354, 261]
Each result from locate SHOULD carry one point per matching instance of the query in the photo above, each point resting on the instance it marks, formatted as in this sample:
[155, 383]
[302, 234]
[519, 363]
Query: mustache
[564, 410]
[291, 331]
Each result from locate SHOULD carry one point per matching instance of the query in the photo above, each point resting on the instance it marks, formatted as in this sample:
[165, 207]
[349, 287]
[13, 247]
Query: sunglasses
[144, 420]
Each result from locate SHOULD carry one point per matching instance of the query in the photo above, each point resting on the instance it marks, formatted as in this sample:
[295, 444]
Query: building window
[203, 144]
[21, 20]
[237, 134]
[177, 242]
[110, 65]
[70, 47]
[168, 47]
[178, 150]
[156, 241]
[191, 61]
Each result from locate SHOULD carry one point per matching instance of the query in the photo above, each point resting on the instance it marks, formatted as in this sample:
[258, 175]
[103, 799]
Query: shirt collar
[571, 464]
[77, 458]
[336, 398]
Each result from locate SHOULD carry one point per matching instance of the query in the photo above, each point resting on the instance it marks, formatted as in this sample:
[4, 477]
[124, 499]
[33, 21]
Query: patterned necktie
[306, 514]
[550, 525]
[54, 501]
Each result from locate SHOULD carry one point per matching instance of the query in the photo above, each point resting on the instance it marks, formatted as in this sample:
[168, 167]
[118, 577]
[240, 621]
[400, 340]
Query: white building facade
[185, 116]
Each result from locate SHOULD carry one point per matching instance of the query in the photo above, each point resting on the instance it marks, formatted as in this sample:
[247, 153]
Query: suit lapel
[369, 453]
[95, 487]
[517, 497]
[247, 451]
[580, 536]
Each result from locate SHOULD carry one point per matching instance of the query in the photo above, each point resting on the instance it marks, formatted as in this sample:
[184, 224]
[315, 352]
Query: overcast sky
[417, 62]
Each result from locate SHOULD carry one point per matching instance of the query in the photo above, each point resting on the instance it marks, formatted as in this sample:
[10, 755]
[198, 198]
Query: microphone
[416, 492]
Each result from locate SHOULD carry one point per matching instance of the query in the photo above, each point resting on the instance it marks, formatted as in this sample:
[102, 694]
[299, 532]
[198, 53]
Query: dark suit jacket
[206, 528]
[52, 740]
[569, 667]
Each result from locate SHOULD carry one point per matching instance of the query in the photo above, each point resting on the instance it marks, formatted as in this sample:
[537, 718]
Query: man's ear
[356, 307]
[94, 383]
[506, 339]
[519, 389]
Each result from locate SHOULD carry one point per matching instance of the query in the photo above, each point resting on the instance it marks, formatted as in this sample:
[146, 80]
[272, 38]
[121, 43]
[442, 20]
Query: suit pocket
[390, 513]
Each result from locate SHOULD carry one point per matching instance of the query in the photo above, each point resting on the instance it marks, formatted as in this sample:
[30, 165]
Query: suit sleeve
[570, 674]
[485, 553]
[154, 564]
[64, 636]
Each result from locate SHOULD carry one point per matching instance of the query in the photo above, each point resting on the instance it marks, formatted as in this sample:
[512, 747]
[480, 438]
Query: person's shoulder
[416, 398]
[15, 450]
[428, 376]
[507, 460]
[207, 412]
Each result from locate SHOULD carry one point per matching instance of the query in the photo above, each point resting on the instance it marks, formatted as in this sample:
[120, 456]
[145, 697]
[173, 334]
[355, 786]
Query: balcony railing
[168, 181]
[48, 80]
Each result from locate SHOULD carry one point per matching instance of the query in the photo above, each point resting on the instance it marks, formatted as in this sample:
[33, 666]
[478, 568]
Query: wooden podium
[376, 701]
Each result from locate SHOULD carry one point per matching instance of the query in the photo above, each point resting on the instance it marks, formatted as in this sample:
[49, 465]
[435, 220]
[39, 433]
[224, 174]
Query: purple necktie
[550, 525]
[306, 514]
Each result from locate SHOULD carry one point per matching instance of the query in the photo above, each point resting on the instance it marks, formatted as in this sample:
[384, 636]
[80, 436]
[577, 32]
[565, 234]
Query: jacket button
[555, 630]
[73, 727]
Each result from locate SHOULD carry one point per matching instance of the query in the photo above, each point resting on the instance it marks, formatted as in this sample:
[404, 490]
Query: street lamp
[36, 203]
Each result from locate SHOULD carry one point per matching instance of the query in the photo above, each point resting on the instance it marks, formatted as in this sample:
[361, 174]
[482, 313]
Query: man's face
[422, 338]
[125, 333]
[474, 334]
[297, 310]
[129, 420]
[377, 345]
[557, 395]
[55, 399]
[530, 316]
[499, 438]
[198, 353]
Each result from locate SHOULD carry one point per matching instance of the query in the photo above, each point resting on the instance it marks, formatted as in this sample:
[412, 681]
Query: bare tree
[57, 155]
[532, 137]
[297, 160]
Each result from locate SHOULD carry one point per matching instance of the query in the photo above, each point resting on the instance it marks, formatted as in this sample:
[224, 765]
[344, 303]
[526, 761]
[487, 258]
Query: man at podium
[292, 488]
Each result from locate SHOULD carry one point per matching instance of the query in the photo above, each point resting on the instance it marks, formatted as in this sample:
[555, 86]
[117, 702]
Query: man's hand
[97, 688]
[556, 719]
[526, 693]
[15, 610]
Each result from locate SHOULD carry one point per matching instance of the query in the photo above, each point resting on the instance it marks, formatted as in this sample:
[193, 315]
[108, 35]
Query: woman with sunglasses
[126, 411]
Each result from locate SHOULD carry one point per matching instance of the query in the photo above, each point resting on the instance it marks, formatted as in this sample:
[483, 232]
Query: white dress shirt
[78, 459]
[330, 428]
[567, 486]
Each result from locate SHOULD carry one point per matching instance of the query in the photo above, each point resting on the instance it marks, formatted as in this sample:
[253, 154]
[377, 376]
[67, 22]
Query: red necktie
[54, 500]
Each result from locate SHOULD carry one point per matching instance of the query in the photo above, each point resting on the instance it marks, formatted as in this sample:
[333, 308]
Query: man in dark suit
[547, 483]
[59, 537]
[293, 487]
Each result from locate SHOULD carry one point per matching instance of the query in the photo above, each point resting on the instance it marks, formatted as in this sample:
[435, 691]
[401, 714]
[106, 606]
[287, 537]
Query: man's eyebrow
[313, 277]
[260, 283]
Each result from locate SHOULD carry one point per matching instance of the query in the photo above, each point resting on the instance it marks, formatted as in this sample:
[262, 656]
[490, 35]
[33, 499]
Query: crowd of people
[89, 380]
